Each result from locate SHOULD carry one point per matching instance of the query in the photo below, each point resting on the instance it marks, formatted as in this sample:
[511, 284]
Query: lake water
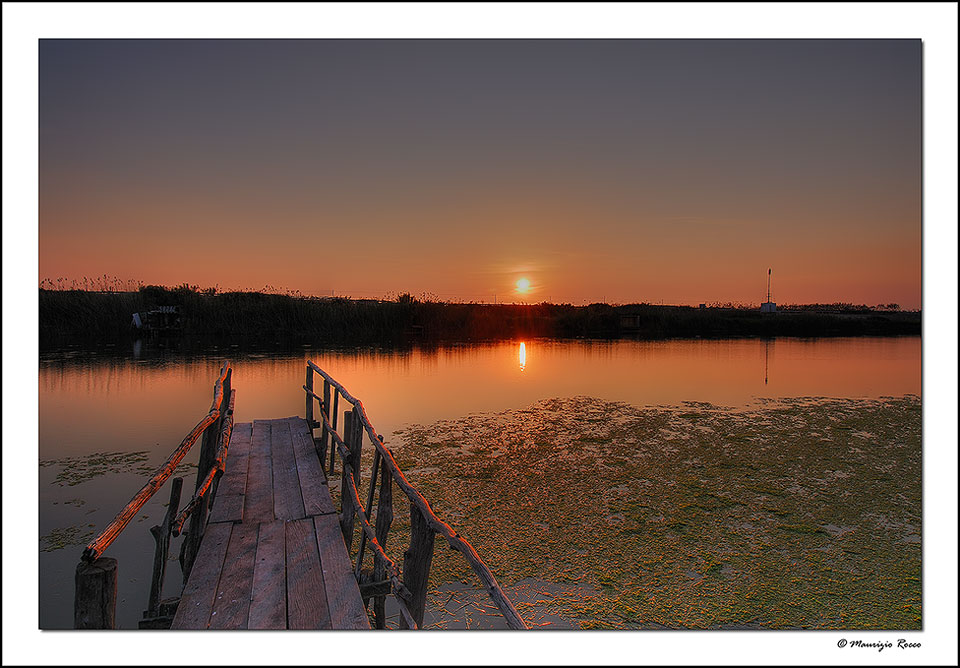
[109, 417]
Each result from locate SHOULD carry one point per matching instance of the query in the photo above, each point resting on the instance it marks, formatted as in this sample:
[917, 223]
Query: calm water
[142, 401]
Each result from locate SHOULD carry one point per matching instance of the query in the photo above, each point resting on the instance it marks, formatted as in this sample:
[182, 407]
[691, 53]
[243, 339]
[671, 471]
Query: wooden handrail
[437, 525]
[220, 465]
[97, 546]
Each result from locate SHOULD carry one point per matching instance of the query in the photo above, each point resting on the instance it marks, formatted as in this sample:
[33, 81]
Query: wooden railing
[408, 584]
[95, 597]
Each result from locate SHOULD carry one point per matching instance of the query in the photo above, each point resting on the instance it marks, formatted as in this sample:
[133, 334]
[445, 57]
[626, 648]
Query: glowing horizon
[461, 167]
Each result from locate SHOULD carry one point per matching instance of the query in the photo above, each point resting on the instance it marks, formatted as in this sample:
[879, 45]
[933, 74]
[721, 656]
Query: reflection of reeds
[100, 309]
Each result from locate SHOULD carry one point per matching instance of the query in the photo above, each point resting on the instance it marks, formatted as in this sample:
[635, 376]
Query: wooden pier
[272, 555]
[265, 547]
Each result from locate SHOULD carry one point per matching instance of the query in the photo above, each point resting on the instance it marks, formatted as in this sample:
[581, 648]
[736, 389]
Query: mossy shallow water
[799, 513]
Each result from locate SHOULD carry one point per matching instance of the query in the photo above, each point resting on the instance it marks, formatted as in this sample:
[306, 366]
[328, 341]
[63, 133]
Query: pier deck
[273, 554]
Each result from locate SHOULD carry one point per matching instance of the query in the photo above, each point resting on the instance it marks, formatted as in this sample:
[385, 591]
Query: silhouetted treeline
[76, 316]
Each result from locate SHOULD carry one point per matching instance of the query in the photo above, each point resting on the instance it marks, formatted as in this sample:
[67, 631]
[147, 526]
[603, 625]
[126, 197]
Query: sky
[673, 171]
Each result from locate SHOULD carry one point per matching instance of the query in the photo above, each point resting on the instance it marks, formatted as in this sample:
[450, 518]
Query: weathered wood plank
[232, 604]
[258, 500]
[234, 480]
[287, 500]
[268, 598]
[313, 483]
[343, 594]
[196, 603]
[306, 599]
[227, 509]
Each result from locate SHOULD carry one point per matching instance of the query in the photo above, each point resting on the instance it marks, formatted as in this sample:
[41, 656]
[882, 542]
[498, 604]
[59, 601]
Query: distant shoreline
[69, 317]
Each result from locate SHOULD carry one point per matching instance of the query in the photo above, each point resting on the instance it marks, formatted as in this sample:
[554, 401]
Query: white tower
[768, 306]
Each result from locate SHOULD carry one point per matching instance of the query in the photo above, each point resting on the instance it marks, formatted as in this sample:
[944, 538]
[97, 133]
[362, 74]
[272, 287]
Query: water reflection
[766, 361]
[127, 401]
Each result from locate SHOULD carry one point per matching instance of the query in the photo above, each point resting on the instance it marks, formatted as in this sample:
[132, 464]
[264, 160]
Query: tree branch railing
[96, 576]
[408, 584]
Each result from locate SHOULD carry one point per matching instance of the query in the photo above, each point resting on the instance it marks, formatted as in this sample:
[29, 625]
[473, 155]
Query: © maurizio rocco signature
[880, 645]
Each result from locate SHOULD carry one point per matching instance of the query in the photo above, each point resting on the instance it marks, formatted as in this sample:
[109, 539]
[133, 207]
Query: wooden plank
[287, 500]
[234, 480]
[343, 594]
[313, 483]
[232, 604]
[306, 600]
[258, 500]
[268, 598]
[228, 505]
[227, 509]
[196, 602]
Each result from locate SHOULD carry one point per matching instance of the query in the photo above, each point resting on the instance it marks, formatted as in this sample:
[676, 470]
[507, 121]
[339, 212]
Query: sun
[523, 285]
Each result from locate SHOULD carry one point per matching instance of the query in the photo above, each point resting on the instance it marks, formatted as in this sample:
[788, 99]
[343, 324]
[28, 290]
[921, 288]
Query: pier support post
[416, 565]
[95, 596]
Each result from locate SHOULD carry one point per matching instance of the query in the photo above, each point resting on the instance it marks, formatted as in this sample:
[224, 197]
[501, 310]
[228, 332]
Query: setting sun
[523, 285]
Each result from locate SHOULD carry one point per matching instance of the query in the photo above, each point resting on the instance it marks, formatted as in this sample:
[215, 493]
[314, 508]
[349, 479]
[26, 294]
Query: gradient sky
[617, 170]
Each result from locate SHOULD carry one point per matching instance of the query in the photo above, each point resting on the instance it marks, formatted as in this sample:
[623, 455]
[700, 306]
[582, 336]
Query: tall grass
[81, 316]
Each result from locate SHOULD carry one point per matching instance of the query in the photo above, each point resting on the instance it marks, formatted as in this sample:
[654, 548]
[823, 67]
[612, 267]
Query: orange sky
[622, 170]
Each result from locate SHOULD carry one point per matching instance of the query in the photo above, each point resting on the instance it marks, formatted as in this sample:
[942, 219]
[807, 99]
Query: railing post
[308, 413]
[95, 594]
[346, 497]
[226, 405]
[416, 565]
[384, 520]
[206, 461]
[325, 438]
[332, 416]
[161, 534]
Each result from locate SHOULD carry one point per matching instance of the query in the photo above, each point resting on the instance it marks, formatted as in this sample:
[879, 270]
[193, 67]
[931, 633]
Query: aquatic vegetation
[800, 513]
[75, 470]
[62, 537]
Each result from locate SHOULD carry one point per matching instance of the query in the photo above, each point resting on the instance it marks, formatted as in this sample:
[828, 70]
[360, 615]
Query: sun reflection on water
[523, 355]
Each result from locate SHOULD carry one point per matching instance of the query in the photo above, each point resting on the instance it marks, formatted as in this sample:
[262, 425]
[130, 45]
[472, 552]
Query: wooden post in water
[416, 565]
[346, 498]
[95, 594]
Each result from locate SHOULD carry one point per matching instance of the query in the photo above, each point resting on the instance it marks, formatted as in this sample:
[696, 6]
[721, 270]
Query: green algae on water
[75, 470]
[799, 513]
